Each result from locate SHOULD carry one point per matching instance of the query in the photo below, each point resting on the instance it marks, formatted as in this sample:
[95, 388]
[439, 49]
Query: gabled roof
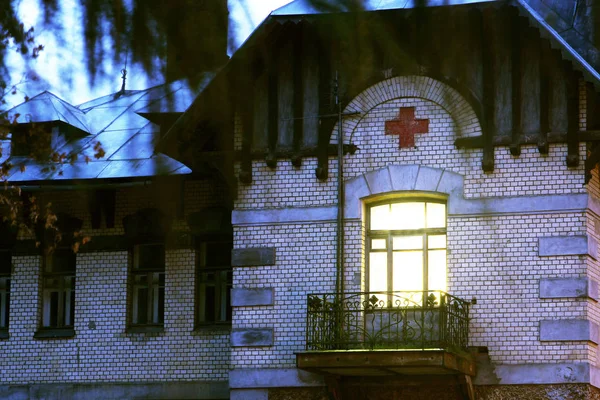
[115, 121]
[558, 41]
[539, 14]
[301, 10]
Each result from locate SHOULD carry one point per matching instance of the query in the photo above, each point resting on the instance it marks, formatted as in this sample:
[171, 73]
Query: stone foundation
[538, 392]
[382, 391]
[318, 393]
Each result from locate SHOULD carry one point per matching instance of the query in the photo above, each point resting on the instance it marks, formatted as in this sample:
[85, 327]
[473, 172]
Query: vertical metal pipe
[340, 189]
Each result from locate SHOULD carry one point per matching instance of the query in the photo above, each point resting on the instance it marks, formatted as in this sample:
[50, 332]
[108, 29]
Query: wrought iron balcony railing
[387, 320]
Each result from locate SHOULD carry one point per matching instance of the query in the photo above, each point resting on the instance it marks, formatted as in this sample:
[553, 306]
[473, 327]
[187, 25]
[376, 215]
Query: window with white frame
[148, 285]
[58, 289]
[5, 274]
[214, 282]
[406, 246]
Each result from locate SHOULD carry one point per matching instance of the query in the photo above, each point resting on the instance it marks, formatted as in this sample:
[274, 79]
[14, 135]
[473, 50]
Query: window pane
[61, 260]
[218, 254]
[72, 308]
[64, 260]
[140, 299]
[209, 302]
[408, 270]
[437, 242]
[160, 315]
[142, 306]
[377, 272]
[228, 311]
[5, 262]
[7, 310]
[53, 309]
[408, 242]
[437, 270]
[408, 216]
[436, 215]
[378, 244]
[149, 256]
[380, 217]
[4, 302]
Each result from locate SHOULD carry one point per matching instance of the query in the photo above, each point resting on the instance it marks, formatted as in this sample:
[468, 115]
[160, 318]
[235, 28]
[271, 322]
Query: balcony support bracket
[334, 387]
[466, 386]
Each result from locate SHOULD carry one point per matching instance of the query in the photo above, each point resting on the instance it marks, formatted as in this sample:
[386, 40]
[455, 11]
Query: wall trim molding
[252, 337]
[568, 246]
[581, 288]
[502, 374]
[118, 390]
[537, 374]
[244, 297]
[569, 330]
[518, 205]
[256, 378]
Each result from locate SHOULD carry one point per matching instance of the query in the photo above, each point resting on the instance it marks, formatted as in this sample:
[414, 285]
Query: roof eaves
[558, 42]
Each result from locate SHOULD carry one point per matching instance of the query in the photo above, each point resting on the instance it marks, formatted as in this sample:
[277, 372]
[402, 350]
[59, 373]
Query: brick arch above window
[396, 179]
[147, 225]
[462, 113]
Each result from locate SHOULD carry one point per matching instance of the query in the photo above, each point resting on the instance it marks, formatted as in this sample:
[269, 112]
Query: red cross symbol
[406, 126]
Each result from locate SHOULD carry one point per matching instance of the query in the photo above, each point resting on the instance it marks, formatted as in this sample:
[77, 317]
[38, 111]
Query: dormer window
[39, 139]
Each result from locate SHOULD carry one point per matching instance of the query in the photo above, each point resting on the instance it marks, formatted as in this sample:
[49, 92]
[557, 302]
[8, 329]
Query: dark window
[148, 285]
[58, 293]
[5, 270]
[214, 281]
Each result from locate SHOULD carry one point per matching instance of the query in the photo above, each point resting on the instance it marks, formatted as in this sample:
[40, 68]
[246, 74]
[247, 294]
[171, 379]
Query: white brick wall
[103, 350]
[494, 258]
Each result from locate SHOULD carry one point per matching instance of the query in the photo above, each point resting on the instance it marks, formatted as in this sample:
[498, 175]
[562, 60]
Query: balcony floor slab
[386, 362]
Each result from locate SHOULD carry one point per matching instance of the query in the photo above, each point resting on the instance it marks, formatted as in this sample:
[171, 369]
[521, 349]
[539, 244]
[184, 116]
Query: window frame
[61, 329]
[219, 297]
[388, 235]
[5, 295]
[153, 290]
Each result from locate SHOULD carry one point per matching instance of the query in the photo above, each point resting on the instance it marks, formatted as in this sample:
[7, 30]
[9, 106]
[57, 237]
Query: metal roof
[115, 121]
[559, 42]
[307, 7]
[46, 107]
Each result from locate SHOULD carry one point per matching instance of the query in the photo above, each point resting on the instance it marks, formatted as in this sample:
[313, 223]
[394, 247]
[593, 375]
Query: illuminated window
[406, 246]
[148, 285]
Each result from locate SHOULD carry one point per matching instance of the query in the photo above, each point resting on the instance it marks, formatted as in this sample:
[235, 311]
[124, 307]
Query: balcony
[387, 333]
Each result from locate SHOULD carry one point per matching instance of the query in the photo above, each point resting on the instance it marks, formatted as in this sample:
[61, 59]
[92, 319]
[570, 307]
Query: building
[411, 199]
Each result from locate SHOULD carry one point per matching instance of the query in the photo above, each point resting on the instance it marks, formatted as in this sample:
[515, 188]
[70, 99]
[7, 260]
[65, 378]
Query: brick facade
[103, 350]
[494, 251]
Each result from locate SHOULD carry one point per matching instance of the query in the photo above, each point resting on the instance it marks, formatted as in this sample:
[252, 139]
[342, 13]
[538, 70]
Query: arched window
[406, 245]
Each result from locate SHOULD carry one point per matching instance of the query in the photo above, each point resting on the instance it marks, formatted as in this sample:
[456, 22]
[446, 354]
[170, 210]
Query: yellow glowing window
[407, 246]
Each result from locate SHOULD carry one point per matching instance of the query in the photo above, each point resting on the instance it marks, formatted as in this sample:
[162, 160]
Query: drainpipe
[340, 190]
